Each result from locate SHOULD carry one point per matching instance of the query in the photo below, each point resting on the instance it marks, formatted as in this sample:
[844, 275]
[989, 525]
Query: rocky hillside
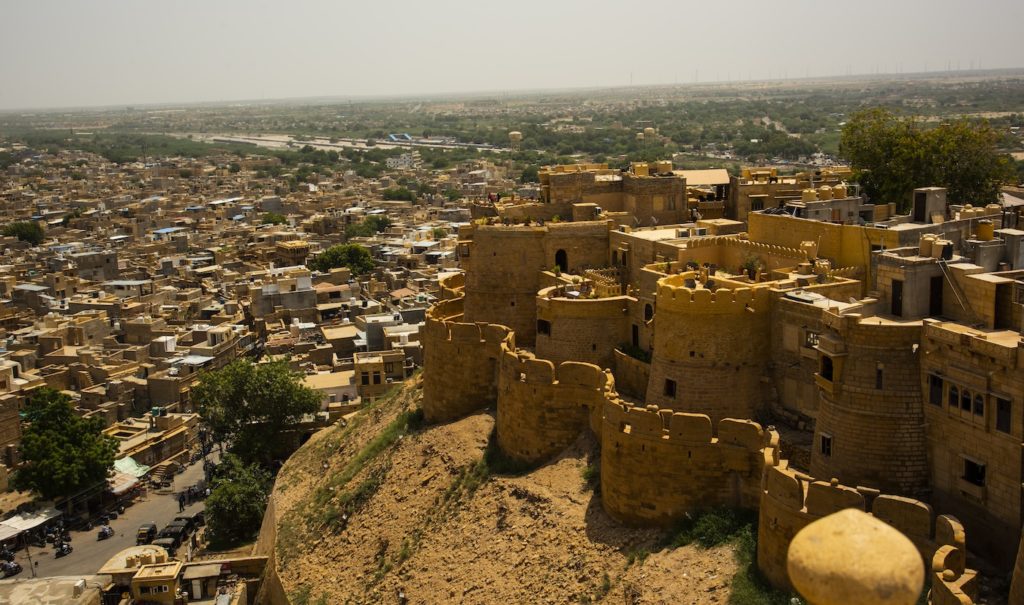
[385, 507]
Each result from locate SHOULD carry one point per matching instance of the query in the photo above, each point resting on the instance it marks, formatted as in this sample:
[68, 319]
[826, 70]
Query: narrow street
[90, 554]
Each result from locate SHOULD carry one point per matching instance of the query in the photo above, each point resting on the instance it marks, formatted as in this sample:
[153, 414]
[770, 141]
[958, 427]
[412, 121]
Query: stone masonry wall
[460, 361]
[791, 500]
[543, 408]
[658, 465]
[586, 330]
[714, 346]
[871, 410]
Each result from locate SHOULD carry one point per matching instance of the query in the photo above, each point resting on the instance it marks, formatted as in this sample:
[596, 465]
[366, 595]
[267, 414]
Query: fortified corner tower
[710, 348]
[870, 427]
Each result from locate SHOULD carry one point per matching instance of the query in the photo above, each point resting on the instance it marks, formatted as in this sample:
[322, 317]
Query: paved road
[90, 554]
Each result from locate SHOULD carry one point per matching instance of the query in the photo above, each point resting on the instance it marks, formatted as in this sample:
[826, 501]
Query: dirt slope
[426, 523]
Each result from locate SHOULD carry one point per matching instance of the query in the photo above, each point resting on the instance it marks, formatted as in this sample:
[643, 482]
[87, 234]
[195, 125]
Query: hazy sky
[62, 53]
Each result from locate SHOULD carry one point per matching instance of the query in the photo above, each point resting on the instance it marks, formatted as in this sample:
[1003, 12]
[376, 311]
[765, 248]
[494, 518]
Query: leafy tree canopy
[238, 498]
[893, 155]
[62, 452]
[248, 405]
[26, 231]
[273, 218]
[399, 193]
[353, 256]
[368, 227]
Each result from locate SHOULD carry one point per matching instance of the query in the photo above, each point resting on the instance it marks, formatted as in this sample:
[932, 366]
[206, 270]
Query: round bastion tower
[710, 348]
[870, 427]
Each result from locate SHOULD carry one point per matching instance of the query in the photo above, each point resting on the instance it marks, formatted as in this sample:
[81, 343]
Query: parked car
[187, 520]
[176, 533]
[169, 544]
[146, 533]
[199, 519]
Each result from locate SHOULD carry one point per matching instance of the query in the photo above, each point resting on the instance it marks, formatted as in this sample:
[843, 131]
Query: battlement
[658, 465]
[675, 295]
[679, 427]
[543, 407]
[792, 500]
[748, 246]
[460, 360]
[452, 285]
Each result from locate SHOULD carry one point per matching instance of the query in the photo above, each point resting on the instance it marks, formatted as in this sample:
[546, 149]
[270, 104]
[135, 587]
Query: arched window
[648, 312]
[965, 400]
[562, 260]
[979, 405]
[954, 397]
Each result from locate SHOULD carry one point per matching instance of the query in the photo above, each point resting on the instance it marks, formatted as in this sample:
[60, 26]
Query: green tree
[62, 453]
[238, 498]
[26, 231]
[400, 194]
[353, 256]
[893, 155]
[249, 405]
[368, 227]
[273, 218]
[531, 174]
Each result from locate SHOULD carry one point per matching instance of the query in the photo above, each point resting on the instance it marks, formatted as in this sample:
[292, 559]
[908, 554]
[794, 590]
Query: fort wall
[791, 500]
[711, 349]
[504, 265]
[581, 329]
[870, 428]
[631, 375]
[658, 465]
[460, 360]
[543, 408]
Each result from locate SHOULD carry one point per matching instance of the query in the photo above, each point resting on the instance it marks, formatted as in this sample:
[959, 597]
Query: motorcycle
[10, 568]
[105, 532]
[62, 549]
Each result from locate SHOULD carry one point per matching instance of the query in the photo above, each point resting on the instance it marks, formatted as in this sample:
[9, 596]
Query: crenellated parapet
[711, 348]
[791, 500]
[543, 407]
[658, 465]
[675, 295]
[460, 360]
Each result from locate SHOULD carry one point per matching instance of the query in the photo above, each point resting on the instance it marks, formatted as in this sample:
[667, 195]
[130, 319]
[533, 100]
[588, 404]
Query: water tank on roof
[809, 195]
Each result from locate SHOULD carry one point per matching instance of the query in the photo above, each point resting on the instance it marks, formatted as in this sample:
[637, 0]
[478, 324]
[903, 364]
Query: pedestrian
[181, 502]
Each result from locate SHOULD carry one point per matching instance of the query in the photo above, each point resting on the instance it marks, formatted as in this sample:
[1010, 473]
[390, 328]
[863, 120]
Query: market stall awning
[25, 521]
[121, 483]
[6, 532]
[129, 466]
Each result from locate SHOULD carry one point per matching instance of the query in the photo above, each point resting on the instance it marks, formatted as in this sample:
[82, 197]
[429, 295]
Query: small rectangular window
[756, 205]
[934, 390]
[974, 472]
[811, 339]
[826, 367]
[376, 378]
[670, 388]
[879, 376]
[826, 445]
[366, 378]
[543, 326]
[1003, 407]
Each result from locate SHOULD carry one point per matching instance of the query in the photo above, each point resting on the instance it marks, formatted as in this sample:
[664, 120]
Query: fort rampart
[658, 465]
[462, 362]
[543, 408]
[710, 349]
[870, 407]
[792, 500]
